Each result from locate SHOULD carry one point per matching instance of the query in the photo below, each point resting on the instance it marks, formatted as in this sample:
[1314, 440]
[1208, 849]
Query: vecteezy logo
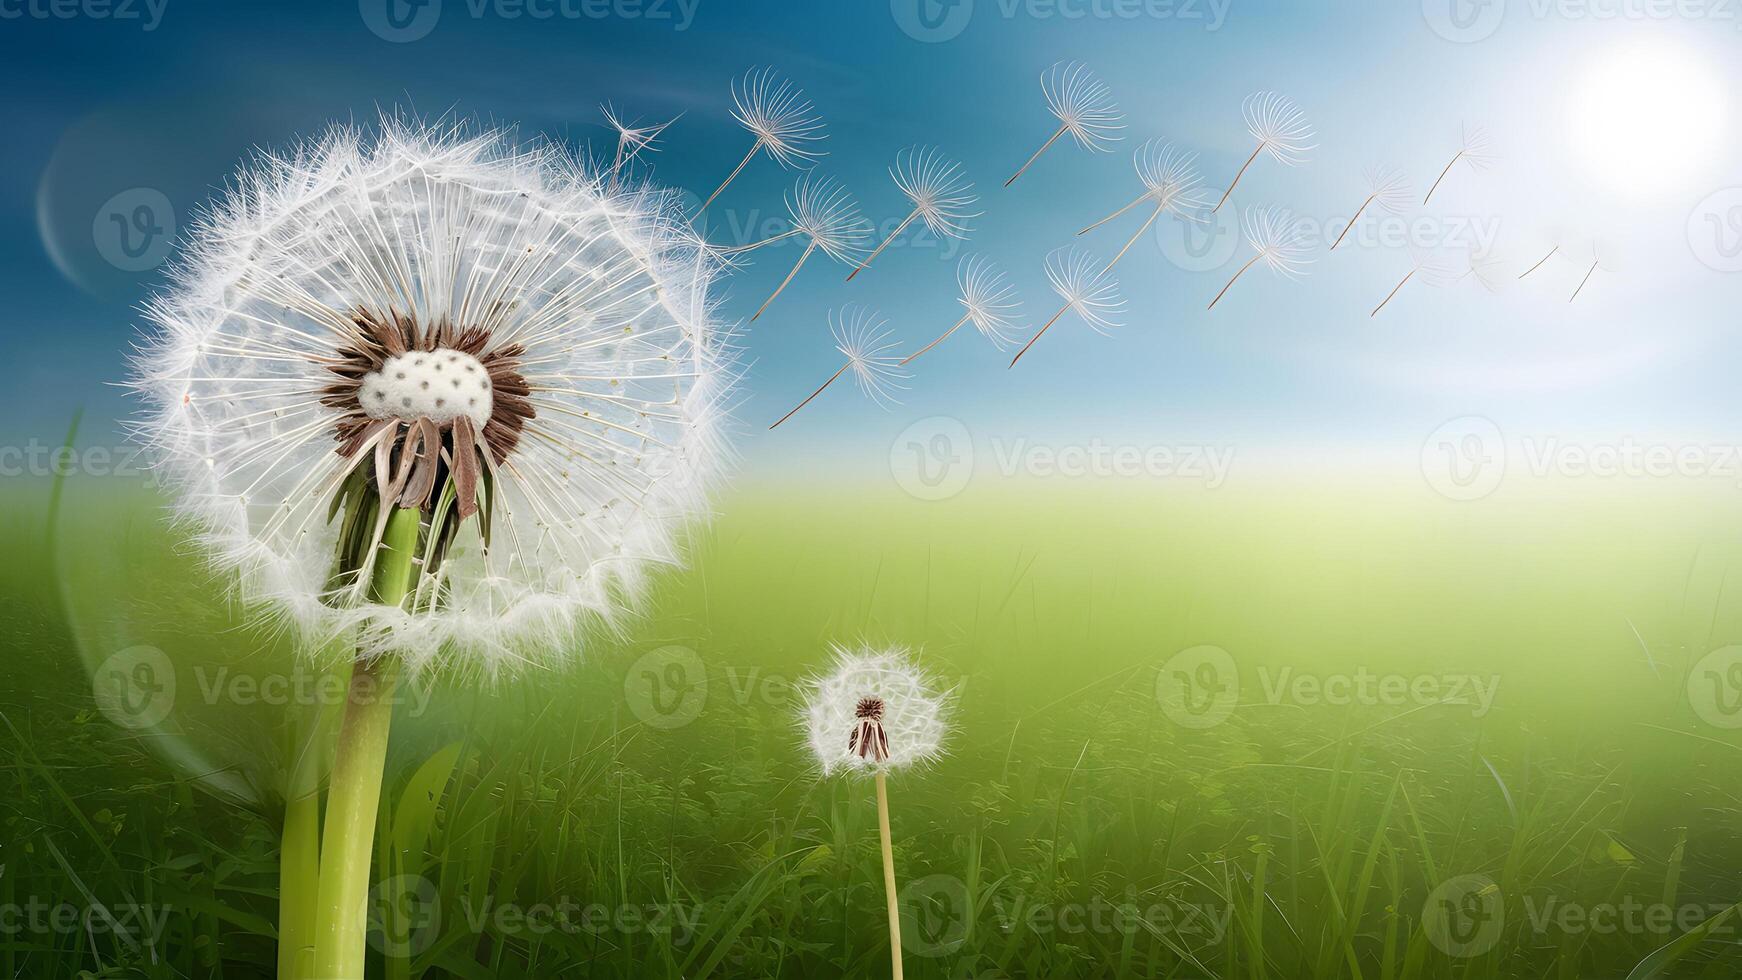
[133, 229]
[931, 21]
[1465, 459]
[1200, 246]
[1464, 21]
[667, 687]
[135, 688]
[405, 916]
[934, 915]
[400, 21]
[1715, 230]
[1464, 915]
[1715, 687]
[933, 459]
[1198, 687]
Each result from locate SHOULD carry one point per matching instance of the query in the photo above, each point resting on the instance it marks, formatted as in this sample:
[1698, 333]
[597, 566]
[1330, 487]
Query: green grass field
[1433, 740]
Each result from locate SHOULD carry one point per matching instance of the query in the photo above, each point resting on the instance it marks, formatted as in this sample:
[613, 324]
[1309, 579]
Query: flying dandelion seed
[988, 301]
[1084, 107]
[452, 396]
[1281, 130]
[775, 112]
[939, 191]
[1476, 152]
[1424, 268]
[1170, 180]
[876, 713]
[1087, 287]
[1484, 268]
[1387, 188]
[824, 213]
[862, 337]
[1278, 239]
[632, 140]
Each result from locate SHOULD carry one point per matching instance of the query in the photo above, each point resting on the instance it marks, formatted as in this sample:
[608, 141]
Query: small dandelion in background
[1386, 187]
[1484, 267]
[1279, 241]
[1281, 130]
[824, 212]
[876, 712]
[776, 112]
[1084, 107]
[939, 191]
[632, 140]
[1170, 179]
[863, 338]
[989, 302]
[1087, 287]
[1476, 152]
[1425, 267]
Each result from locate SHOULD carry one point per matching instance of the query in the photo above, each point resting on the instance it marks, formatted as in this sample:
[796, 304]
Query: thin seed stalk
[807, 401]
[1356, 217]
[354, 791]
[1237, 176]
[1393, 292]
[1049, 141]
[943, 337]
[889, 891]
[1037, 333]
[885, 243]
[1232, 281]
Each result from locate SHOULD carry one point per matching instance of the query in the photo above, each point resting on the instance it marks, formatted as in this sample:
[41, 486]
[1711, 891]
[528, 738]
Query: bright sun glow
[1645, 117]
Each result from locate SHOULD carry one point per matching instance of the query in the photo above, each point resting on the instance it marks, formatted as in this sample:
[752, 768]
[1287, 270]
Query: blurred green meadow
[1293, 727]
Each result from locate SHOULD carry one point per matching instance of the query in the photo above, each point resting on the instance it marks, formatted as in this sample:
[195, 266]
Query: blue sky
[100, 106]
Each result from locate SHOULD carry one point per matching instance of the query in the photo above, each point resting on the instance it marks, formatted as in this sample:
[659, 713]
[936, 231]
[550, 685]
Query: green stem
[354, 793]
[298, 884]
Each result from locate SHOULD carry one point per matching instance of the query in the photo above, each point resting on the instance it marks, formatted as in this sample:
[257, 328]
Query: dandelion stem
[1588, 273]
[1354, 218]
[1442, 176]
[1237, 177]
[885, 243]
[946, 335]
[783, 236]
[1539, 262]
[1115, 214]
[299, 852]
[1150, 221]
[1049, 141]
[813, 394]
[795, 267]
[732, 176]
[1231, 282]
[1393, 292]
[889, 877]
[1037, 334]
[354, 793]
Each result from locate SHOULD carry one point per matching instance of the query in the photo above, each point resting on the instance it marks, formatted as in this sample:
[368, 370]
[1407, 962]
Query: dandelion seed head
[1475, 148]
[988, 299]
[1279, 238]
[1083, 105]
[1171, 177]
[1390, 189]
[1485, 267]
[271, 378]
[827, 215]
[938, 188]
[633, 138]
[1087, 286]
[881, 686]
[863, 338]
[776, 112]
[1279, 126]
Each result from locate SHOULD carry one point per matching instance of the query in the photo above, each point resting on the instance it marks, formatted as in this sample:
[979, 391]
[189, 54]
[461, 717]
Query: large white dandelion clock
[483, 334]
[875, 712]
